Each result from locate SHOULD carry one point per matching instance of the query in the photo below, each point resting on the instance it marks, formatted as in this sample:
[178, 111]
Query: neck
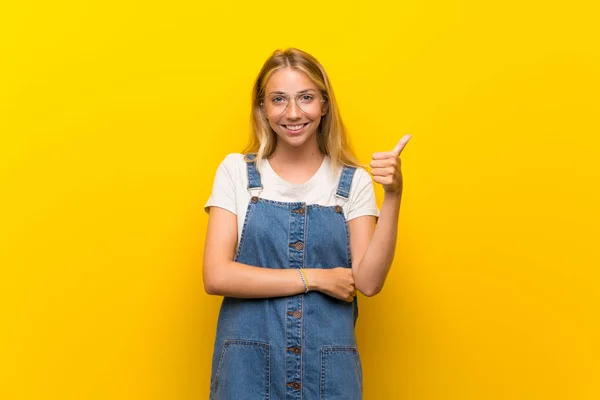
[296, 164]
[306, 154]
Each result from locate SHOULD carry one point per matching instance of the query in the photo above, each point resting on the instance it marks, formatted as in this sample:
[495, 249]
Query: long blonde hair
[331, 136]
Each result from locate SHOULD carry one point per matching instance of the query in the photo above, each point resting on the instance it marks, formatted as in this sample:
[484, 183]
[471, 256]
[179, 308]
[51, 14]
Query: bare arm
[373, 246]
[225, 277]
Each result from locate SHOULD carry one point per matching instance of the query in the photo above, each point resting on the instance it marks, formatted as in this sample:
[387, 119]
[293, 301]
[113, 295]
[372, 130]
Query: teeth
[294, 127]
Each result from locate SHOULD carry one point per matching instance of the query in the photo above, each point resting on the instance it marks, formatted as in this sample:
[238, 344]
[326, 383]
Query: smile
[295, 128]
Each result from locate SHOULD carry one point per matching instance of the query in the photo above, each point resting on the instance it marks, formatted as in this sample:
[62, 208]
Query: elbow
[210, 288]
[367, 285]
[211, 284]
[370, 290]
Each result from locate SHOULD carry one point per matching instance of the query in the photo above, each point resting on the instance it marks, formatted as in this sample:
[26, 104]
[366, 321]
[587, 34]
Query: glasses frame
[288, 97]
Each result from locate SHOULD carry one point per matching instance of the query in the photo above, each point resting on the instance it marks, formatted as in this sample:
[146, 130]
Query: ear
[262, 110]
[324, 108]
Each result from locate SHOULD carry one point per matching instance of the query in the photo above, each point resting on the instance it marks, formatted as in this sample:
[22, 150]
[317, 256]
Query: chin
[297, 140]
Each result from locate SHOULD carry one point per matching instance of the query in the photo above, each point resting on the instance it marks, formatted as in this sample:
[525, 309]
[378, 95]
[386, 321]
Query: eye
[306, 98]
[277, 99]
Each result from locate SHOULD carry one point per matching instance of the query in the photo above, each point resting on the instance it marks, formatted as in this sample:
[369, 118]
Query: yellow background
[114, 116]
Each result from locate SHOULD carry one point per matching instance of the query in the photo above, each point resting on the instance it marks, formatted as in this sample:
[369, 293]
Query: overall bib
[296, 347]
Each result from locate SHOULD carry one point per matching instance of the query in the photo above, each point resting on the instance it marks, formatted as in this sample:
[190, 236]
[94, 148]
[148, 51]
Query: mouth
[295, 129]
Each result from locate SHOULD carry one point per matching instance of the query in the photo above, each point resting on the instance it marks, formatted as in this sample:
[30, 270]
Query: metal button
[295, 350]
[298, 246]
[338, 209]
[301, 211]
[297, 314]
[254, 199]
[294, 385]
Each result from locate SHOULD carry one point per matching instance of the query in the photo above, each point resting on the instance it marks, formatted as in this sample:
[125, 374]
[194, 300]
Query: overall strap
[343, 190]
[254, 182]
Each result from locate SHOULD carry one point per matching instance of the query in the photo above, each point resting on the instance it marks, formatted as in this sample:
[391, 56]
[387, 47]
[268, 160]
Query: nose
[293, 110]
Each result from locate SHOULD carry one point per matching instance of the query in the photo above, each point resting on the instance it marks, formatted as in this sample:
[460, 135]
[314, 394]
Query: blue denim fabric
[296, 347]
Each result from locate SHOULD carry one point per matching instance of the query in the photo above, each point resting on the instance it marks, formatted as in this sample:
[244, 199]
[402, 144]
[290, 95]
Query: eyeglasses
[308, 102]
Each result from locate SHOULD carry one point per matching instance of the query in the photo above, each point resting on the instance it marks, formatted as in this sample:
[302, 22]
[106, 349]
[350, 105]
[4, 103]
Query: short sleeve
[223, 190]
[362, 196]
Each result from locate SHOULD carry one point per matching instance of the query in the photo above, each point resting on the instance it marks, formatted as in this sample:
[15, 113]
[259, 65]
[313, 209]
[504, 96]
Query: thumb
[400, 146]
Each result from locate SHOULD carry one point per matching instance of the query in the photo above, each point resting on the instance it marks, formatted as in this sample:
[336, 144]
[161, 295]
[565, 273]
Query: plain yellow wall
[114, 116]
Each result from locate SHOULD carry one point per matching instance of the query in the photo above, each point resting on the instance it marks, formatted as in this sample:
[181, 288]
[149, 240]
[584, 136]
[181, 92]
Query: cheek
[273, 124]
[317, 122]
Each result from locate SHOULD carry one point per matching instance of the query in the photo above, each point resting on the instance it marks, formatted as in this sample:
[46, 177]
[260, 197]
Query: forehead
[289, 80]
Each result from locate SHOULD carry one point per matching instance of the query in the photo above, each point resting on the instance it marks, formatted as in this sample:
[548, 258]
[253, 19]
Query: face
[293, 106]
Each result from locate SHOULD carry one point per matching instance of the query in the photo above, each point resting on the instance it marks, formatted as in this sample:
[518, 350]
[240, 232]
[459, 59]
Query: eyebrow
[302, 91]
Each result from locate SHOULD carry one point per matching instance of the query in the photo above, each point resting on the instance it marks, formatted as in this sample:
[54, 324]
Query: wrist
[313, 275]
[396, 195]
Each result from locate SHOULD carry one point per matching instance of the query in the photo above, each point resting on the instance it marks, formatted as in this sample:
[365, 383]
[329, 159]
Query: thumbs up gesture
[385, 167]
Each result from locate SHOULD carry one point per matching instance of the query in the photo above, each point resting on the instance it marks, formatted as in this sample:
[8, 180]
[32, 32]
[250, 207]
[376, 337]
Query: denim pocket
[341, 373]
[243, 371]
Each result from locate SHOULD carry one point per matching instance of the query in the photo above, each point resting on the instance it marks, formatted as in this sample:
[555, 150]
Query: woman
[292, 236]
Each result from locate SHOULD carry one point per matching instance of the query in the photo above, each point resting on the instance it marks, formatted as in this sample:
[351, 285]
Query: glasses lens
[307, 103]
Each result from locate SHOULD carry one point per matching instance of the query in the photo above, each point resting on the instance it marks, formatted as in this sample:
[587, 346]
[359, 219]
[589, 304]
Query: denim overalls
[296, 347]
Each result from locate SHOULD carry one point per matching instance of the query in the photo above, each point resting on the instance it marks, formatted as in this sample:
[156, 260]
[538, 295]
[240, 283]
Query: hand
[335, 282]
[385, 167]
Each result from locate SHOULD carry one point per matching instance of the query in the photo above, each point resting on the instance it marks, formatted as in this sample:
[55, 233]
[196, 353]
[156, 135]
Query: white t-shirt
[230, 189]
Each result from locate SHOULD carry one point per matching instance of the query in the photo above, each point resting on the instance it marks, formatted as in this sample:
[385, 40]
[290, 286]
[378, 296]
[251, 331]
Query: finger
[400, 146]
[383, 180]
[389, 171]
[383, 154]
[388, 162]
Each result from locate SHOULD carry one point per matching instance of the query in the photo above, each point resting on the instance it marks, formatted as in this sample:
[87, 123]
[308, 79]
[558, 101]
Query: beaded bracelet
[305, 276]
[304, 279]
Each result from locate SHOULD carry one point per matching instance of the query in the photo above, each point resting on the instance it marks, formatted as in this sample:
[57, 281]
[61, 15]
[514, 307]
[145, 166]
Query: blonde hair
[331, 136]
